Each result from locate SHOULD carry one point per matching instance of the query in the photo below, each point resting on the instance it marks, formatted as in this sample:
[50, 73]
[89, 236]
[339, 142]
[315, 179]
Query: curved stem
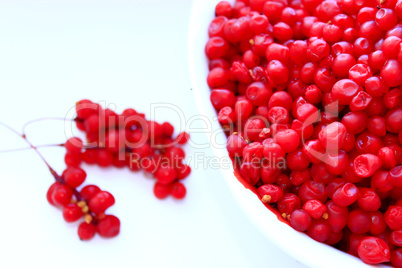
[29, 147]
[44, 119]
[56, 176]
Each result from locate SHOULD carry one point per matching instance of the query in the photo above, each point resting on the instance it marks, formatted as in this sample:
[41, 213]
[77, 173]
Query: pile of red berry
[126, 140]
[310, 94]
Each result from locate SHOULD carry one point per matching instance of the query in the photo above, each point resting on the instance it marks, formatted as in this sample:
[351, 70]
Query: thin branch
[44, 119]
[29, 148]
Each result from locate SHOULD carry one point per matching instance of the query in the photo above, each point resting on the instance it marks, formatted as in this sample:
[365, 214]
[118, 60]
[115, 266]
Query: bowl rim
[298, 245]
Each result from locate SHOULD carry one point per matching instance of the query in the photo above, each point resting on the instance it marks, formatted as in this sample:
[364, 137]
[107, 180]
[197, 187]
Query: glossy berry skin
[277, 72]
[315, 208]
[253, 128]
[269, 193]
[336, 163]
[258, 93]
[288, 140]
[344, 90]
[235, 145]
[297, 160]
[89, 191]
[50, 192]
[165, 174]
[74, 177]
[391, 73]
[100, 202]
[288, 203]
[355, 122]
[345, 195]
[333, 136]
[368, 199]
[366, 165]
[300, 220]
[396, 238]
[221, 98]
[273, 152]
[74, 145]
[223, 8]
[109, 226]
[396, 258]
[373, 250]
[85, 108]
[59, 194]
[393, 217]
[393, 120]
[161, 191]
[72, 160]
[359, 221]
[178, 190]
[86, 231]
[251, 171]
[337, 216]
[319, 230]
[395, 176]
[312, 190]
[72, 213]
[378, 224]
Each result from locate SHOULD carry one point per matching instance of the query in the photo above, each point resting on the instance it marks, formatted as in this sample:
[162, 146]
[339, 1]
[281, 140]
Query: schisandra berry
[312, 90]
[161, 191]
[72, 212]
[89, 191]
[121, 140]
[74, 145]
[373, 250]
[86, 231]
[59, 194]
[109, 226]
[74, 177]
[100, 202]
[178, 190]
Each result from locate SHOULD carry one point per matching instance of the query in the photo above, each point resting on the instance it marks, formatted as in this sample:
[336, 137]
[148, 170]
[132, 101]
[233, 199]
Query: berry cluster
[126, 140]
[129, 140]
[310, 95]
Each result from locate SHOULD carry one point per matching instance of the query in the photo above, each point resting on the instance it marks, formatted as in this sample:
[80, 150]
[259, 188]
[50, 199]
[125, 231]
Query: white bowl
[296, 244]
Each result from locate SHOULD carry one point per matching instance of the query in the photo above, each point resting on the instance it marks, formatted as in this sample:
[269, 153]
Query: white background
[131, 54]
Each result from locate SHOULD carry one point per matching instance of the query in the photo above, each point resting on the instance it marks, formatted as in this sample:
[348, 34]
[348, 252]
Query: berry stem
[29, 147]
[45, 119]
[56, 176]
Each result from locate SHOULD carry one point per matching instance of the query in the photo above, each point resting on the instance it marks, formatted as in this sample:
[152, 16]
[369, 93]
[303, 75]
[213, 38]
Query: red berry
[89, 191]
[100, 202]
[373, 250]
[72, 213]
[61, 195]
[366, 165]
[165, 174]
[74, 177]
[86, 231]
[161, 191]
[319, 230]
[315, 208]
[109, 226]
[287, 139]
[300, 220]
[74, 145]
[393, 217]
[333, 136]
[85, 108]
[178, 190]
